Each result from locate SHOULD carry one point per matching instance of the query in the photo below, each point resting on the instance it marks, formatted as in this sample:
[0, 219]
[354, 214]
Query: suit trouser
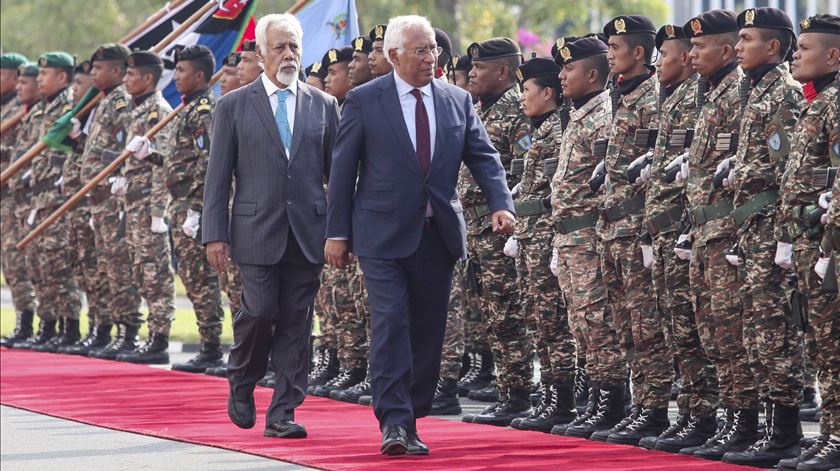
[279, 296]
[409, 298]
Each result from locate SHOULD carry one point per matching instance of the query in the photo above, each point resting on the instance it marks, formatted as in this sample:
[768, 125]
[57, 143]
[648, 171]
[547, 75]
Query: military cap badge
[455, 61]
[316, 67]
[359, 43]
[43, 62]
[620, 26]
[129, 61]
[696, 26]
[669, 31]
[805, 24]
[749, 17]
[86, 67]
[474, 52]
[333, 55]
[379, 33]
[566, 54]
[561, 42]
[519, 75]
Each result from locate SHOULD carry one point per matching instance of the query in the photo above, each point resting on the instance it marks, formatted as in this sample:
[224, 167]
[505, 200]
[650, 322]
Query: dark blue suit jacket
[377, 194]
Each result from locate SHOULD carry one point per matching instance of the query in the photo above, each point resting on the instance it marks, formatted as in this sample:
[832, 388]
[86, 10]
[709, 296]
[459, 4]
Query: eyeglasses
[423, 51]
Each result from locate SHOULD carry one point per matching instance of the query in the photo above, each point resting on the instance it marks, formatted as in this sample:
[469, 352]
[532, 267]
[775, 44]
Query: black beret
[82, 68]
[539, 67]
[144, 59]
[443, 41]
[765, 17]
[820, 24]
[362, 44]
[232, 59]
[192, 53]
[335, 56]
[494, 48]
[317, 70]
[462, 62]
[110, 52]
[629, 24]
[668, 32]
[555, 48]
[27, 69]
[378, 33]
[711, 22]
[249, 45]
[580, 49]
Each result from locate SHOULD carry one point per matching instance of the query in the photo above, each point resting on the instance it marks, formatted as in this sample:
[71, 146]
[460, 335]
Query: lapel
[303, 103]
[389, 102]
[442, 98]
[260, 102]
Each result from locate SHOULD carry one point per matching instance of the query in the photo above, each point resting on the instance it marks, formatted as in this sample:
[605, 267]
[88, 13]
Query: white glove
[511, 247]
[682, 161]
[822, 266]
[824, 219]
[555, 261]
[515, 190]
[647, 255]
[191, 224]
[59, 182]
[598, 169]
[92, 224]
[784, 255]
[77, 129]
[733, 259]
[158, 225]
[825, 199]
[640, 160]
[644, 176]
[726, 166]
[683, 254]
[140, 146]
[684, 172]
[119, 186]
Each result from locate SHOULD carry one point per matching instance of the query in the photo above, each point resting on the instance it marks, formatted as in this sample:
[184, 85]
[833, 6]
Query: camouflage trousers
[543, 300]
[151, 267]
[717, 310]
[89, 276]
[776, 339]
[506, 321]
[475, 325]
[114, 260]
[699, 392]
[325, 308]
[199, 278]
[349, 324]
[452, 355]
[591, 322]
[12, 260]
[231, 284]
[360, 301]
[639, 325]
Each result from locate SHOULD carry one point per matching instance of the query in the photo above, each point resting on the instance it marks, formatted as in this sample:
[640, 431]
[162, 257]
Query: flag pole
[297, 6]
[151, 20]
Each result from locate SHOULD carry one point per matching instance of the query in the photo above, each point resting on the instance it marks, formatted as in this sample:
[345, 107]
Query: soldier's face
[462, 80]
[27, 90]
[248, 68]
[315, 82]
[229, 80]
[621, 55]
[359, 69]
[753, 51]
[337, 82]
[815, 56]
[106, 74]
[8, 80]
[672, 63]
[134, 81]
[416, 69]
[187, 78]
[377, 62]
[708, 55]
[535, 99]
[485, 77]
[282, 59]
[573, 79]
[81, 84]
[51, 80]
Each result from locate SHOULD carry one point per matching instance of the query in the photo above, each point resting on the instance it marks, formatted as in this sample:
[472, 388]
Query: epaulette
[203, 105]
[120, 103]
[152, 117]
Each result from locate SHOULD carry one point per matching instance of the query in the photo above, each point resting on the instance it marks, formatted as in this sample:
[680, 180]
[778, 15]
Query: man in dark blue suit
[393, 203]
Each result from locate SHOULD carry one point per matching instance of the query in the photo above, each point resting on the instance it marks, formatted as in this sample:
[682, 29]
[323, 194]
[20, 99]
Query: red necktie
[421, 126]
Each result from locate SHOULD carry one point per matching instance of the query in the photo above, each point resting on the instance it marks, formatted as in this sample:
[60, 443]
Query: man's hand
[337, 253]
[503, 222]
[218, 254]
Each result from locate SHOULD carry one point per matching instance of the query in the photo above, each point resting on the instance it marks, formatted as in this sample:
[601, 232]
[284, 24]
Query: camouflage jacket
[189, 147]
[570, 192]
[636, 110]
[106, 137]
[831, 239]
[508, 130]
[47, 166]
[26, 136]
[71, 173]
[7, 141]
[721, 113]
[815, 138]
[535, 182]
[763, 143]
[146, 178]
[678, 111]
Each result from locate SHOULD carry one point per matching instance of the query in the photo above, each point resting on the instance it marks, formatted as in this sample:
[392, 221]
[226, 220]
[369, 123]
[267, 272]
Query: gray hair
[395, 32]
[282, 21]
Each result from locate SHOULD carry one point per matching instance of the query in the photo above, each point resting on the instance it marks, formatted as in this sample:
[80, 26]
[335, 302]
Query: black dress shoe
[416, 446]
[242, 413]
[394, 440]
[285, 429]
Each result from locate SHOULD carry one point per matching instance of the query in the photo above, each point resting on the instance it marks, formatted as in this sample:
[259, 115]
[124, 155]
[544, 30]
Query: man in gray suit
[276, 137]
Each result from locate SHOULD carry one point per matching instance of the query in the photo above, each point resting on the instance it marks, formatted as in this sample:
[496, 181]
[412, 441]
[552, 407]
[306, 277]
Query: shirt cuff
[337, 238]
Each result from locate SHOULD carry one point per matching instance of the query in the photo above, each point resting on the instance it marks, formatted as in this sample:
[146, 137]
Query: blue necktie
[282, 119]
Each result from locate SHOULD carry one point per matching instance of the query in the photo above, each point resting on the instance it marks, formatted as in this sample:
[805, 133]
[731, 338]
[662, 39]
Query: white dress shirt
[291, 100]
[409, 103]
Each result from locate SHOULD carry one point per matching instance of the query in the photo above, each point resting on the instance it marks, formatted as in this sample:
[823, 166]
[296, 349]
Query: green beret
[765, 17]
[580, 49]
[539, 67]
[57, 59]
[362, 44]
[191, 53]
[378, 33]
[144, 59]
[28, 69]
[110, 52]
[12, 60]
[629, 24]
[820, 24]
[711, 22]
[336, 56]
[667, 33]
[494, 48]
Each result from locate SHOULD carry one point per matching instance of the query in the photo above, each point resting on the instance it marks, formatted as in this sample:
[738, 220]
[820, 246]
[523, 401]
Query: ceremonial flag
[326, 24]
[57, 134]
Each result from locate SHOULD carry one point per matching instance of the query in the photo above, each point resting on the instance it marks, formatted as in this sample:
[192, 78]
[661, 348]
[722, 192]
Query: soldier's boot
[366, 400]
[354, 393]
[468, 418]
[154, 352]
[51, 345]
[488, 394]
[98, 338]
[610, 412]
[446, 400]
[696, 432]
[90, 333]
[675, 388]
[517, 404]
[649, 443]
[466, 363]
[210, 356]
[126, 343]
[808, 452]
[116, 339]
[72, 334]
[724, 425]
[649, 423]
[739, 435]
[46, 331]
[810, 407]
[325, 371]
[347, 378]
[219, 371]
[336, 394]
[23, 329]
[581, 386]
[602, 435]
[480, 374]
[559, 409]
[825, 459]
[781, 440]
[591, 407]
[543, 398]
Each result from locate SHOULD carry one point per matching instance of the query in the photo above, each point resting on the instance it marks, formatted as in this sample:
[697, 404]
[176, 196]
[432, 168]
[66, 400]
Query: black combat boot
[468, 418]
[480, 374]
[354, 393]
[517, 404]
[90, 333]
[739, 435]
[325, 370]
[154, 352]
[46, 331]
[808, 452]
[51, 345]
[649, 423]
[780, 442]
[23, 329]
[210, 356]
[581, 386]
[632, 414]
[488, 394]
[347, 378]
[127, 343]
[466, 363]
[591, 408]
[219, 371]
[825, 459]
[446, 400]
[649, 443]
[695, 433]
[610, 412]
[100, 337]
[559, 409]
[69, 336]
[116, 340]
[810, 407]
[543, 398]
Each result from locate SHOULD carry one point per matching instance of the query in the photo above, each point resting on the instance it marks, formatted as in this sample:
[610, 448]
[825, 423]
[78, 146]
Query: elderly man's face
[282, 57]
[415, 60]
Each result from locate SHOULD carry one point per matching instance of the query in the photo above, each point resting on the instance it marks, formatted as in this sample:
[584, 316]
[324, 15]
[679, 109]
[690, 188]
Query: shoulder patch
[524, 142]
[152, 117]
[120, 103]
[66, 108]
[203, 105]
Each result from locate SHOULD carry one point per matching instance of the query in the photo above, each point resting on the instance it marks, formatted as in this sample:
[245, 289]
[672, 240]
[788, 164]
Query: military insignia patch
[524, 142]
[120, 104]
[203, 105]
[519, 75]
[749, 17]
[566, 54]
[66, 108]
[620, 26]
[152, 117]
[696, 27]
[130, 61]
[775, 141]
[669, 31]
[201, 140]
[805, 24]
[316, 67]
[120, 136]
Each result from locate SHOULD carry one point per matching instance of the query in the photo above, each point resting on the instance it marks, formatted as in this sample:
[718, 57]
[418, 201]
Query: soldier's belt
[665, 219]
[108, 156]
[645, 138]
[41, 187]
[550, 166]
[478, 212]
[57, 160]
[754, 205]
[99, 194]
[726, 142]
[624, 209]
[517, 166]
[710, 212]
[574, 224]
[137, 195]
[823, 178]
[680, 138]
[530, 207]
[179, 189]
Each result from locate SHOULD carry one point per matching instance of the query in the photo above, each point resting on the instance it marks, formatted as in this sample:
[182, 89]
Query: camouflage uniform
[350, 320]
[542, 297]
[637, 321]
[715, 282]
[146, 198]
[771, 112]
[664, 214]
[106, 140]
[579, 261]
[185, 169]
[815, 145]
[452, 354]
[325, 307]
[231, 284]
[507, 128]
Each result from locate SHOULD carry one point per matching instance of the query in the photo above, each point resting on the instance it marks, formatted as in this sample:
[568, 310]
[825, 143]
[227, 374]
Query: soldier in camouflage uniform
[12, 260]
[664, 219]
[446, 395]
[815, 147]
[146, 200]
[185, 168]
[377, 61]
[325, 359]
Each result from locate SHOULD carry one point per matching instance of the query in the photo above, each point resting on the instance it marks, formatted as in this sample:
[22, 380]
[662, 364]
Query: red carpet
[191, 408]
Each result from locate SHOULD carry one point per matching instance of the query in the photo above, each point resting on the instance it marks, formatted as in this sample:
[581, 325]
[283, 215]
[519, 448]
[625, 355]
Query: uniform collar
[718, 76]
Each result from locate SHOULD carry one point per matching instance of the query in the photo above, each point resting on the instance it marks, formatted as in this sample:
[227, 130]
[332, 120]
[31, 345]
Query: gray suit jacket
[273, 190]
